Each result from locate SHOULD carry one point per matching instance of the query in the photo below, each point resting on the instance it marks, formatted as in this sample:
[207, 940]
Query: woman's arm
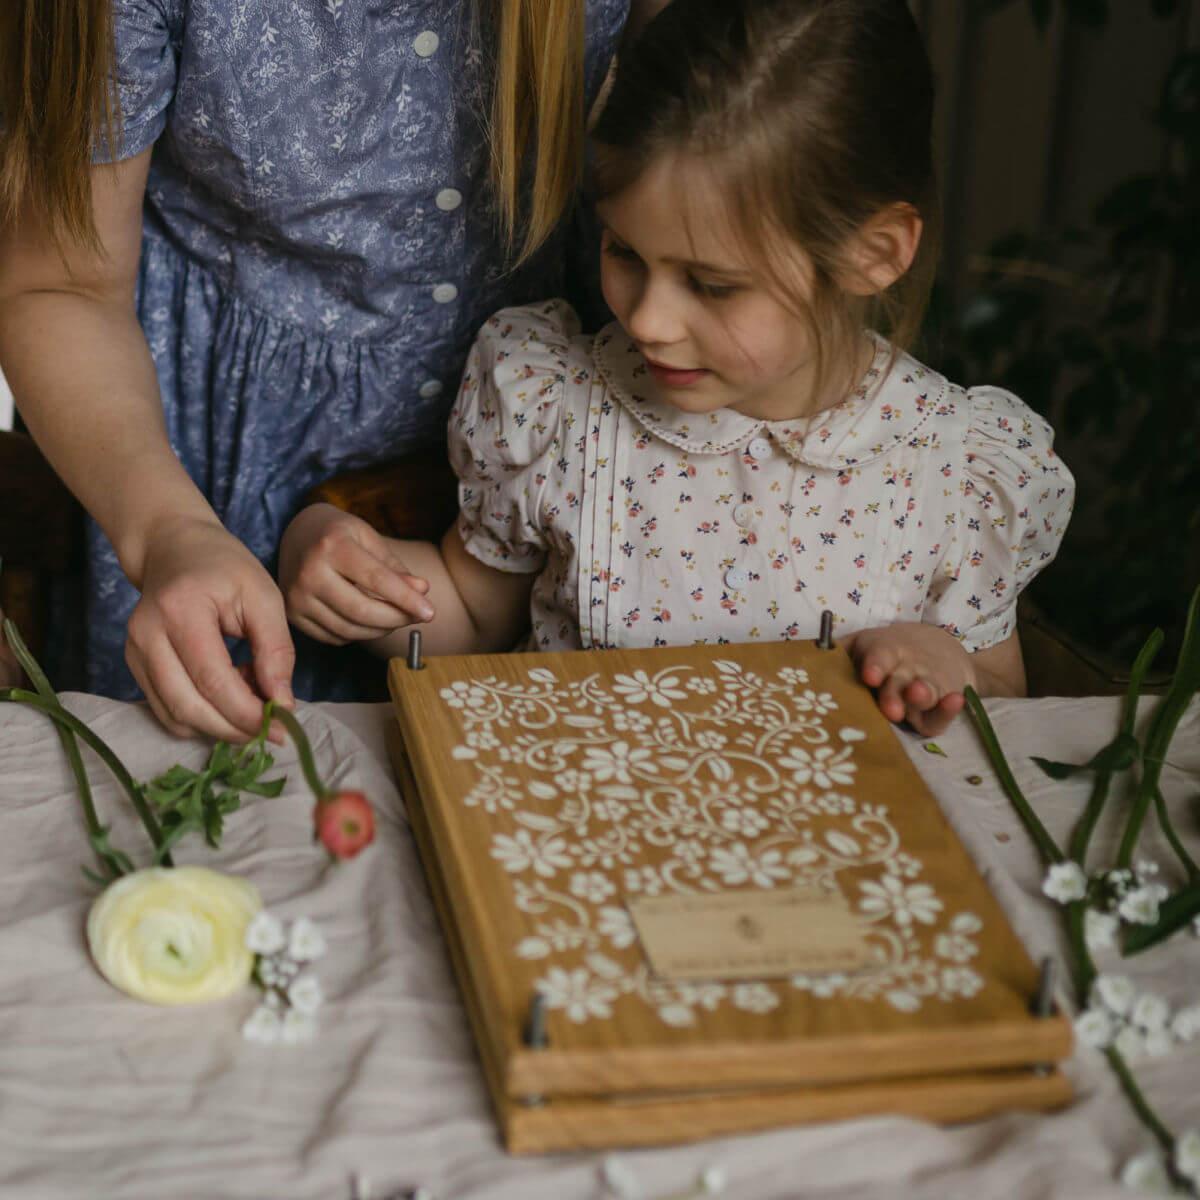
[85, 383]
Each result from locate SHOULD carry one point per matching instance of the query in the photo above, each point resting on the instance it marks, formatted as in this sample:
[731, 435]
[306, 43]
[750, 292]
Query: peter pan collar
[892, 401]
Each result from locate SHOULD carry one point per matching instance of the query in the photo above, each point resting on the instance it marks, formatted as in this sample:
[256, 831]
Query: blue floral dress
[319, 251]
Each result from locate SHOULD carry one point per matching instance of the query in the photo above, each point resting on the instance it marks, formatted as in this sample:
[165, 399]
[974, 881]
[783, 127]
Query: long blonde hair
[537, 106]
[58, 100]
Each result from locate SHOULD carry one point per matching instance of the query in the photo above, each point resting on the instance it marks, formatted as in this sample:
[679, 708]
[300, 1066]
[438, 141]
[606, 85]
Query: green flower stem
[1095, 805]
[303, 747]
[1083, 968]
[91, 818]
[1160, 810]
[1041, 838]
[1167, 715]
[63, 717]
[1138, 1101]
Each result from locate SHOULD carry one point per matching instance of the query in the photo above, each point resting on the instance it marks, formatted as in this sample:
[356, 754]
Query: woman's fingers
[265, 627]
[175, 693]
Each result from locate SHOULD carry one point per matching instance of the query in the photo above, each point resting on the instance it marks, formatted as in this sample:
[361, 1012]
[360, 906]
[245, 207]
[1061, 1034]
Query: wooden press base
[608, 1122]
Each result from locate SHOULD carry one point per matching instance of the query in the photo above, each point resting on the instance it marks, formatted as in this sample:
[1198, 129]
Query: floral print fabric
[912, 500]
[318, 251]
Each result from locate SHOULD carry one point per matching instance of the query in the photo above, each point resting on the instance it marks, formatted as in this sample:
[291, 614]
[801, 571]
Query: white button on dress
[426, 43]
[759, 448]
[737, 577]
[443, 293]
[429, 389]
[743, 515]
[448, 199]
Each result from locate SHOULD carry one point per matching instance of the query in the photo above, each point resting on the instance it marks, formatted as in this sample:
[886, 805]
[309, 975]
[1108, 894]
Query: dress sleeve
[1014, 504]
[146, 40]
[504, 432]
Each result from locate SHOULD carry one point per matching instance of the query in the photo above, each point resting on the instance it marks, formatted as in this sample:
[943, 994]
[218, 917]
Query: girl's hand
[918, 672]
[342, 581]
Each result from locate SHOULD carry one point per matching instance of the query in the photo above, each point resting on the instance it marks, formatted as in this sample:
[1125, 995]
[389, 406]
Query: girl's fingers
[891, 694]
[877, 665]
[339, 630]
[930, 722]
[922, 694]
[380, 584]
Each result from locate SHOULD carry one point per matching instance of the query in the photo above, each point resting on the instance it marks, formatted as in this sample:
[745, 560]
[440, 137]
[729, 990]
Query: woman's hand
[342, 581]
[918, 672]
[198, 583]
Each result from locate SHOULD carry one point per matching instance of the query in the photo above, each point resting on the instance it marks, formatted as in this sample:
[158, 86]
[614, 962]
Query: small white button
[448, 199]
[737, 577]
[426, 43]
[743, 515]
[429, 389]
[445, 292]
[759, 448]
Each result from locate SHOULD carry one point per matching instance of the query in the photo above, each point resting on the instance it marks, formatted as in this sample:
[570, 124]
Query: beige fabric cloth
[101, 1096]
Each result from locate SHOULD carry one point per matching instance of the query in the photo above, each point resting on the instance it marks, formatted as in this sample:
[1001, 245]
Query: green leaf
[1120, 754]
[1174, 913]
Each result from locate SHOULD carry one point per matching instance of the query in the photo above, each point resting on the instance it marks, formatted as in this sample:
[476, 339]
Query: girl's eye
[617, 250]
[713, 291]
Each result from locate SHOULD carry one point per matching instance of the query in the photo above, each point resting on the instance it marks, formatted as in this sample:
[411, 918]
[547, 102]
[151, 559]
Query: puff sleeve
[505, 432]
[1015, 501]
[146, 35]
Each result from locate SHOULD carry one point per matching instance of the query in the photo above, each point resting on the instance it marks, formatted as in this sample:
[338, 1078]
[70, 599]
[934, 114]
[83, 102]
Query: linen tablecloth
[101, 1096]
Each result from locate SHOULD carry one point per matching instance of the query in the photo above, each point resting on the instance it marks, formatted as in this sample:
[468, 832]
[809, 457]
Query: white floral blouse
[913, 499]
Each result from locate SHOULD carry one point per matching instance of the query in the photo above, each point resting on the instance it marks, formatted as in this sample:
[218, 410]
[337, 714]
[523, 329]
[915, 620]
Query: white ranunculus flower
[1094, 1027]
[1064, 882]
[1115, 992]
[174, 935]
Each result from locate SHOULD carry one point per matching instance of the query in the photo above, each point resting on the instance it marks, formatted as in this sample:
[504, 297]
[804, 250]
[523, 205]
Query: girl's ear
[882, 250]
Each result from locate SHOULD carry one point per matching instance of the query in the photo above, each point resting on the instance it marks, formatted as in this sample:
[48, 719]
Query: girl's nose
[654, 318]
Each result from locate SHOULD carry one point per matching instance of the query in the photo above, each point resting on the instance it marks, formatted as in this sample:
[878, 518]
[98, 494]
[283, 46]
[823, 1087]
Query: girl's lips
[674, 376]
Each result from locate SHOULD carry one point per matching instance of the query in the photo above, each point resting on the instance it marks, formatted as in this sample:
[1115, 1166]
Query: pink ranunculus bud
[344, 823]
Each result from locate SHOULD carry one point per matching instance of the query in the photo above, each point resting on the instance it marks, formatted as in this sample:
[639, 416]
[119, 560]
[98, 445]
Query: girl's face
[714, 335]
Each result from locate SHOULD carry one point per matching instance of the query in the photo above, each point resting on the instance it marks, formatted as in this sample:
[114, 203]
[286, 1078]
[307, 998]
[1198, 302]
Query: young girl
[738, 450]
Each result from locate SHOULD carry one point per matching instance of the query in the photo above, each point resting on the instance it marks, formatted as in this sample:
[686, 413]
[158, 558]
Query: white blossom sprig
[619, 1180]
[292, 993]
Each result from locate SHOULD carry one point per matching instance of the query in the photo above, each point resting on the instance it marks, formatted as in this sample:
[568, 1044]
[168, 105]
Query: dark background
[1068, 140]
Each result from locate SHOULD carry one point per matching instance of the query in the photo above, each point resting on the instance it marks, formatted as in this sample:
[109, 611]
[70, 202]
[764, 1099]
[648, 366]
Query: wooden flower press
[698, 890]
